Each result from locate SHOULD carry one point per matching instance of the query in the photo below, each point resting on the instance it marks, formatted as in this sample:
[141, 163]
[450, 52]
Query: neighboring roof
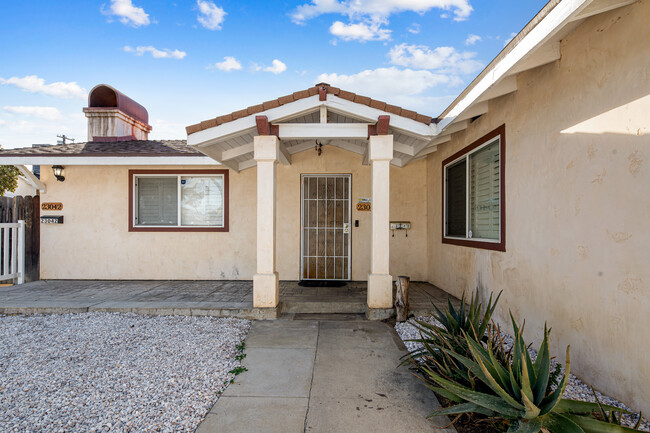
[116, 148]
[105, 96]
[353, 97]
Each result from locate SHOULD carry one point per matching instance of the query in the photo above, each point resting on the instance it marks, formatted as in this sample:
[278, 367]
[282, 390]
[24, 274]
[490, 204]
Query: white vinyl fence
[13, 251]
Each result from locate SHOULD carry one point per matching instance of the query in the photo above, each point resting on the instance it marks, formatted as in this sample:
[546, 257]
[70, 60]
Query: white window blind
[157, 201]
[484, 194]
[201, 201]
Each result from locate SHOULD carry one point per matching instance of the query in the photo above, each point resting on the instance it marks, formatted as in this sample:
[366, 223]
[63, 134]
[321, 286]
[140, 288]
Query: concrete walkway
[323, 376]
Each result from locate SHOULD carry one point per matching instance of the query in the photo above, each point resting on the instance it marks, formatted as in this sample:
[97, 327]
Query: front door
[325, 227]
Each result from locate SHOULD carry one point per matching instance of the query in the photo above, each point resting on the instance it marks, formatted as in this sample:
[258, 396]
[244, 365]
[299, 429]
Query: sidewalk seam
[311, 383]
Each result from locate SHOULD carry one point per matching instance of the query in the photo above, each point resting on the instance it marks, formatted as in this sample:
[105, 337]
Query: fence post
[21, 251]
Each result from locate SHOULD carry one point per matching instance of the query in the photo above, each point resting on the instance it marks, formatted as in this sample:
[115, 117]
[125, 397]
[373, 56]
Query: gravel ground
[576, 389]
[105, 372]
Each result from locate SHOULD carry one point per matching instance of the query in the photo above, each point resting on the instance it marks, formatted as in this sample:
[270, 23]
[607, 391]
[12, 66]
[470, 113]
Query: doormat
[322, 283]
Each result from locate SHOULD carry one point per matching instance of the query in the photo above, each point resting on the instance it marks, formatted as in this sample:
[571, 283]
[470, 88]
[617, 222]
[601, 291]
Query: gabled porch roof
[321, 113]
[229, 138]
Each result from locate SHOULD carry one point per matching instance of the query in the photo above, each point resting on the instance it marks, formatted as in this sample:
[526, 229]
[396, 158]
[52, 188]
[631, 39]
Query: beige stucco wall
[94, 242]
[577, 205]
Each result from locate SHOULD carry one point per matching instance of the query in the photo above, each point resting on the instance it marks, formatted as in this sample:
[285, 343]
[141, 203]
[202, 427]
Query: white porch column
[265, 282]
[380, 283]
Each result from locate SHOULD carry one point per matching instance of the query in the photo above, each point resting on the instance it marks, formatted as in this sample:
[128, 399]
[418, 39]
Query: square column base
[379, 313]
[380, 291]
[266, 290]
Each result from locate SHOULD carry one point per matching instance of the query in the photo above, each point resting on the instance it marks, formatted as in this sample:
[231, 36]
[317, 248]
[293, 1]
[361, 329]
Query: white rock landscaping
[576, 389]
[100, 372]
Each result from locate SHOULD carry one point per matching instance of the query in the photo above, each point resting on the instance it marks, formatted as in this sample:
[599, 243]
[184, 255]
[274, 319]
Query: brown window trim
[226, 200]
[494, 246]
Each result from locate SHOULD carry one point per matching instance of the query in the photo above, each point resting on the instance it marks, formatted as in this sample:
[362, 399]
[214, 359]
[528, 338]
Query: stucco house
[533, 181]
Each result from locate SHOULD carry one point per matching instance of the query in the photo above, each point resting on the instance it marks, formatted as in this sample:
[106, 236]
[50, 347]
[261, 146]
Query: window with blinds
[473, 194]
[179, 201]
[157, 201]
[484, 185]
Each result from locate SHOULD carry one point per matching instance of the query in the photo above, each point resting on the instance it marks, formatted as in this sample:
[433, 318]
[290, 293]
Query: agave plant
[519, 391]
[474, 320]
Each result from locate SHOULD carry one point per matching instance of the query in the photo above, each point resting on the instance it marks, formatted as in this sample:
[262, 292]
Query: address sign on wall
[52, 219]
[52, 206]
[364, 205]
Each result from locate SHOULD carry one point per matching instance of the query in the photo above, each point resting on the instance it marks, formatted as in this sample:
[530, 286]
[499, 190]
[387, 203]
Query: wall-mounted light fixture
[58, 172]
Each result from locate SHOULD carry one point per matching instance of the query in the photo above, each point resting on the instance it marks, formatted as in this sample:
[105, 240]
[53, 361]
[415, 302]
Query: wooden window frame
[499, 132]
[226, 199]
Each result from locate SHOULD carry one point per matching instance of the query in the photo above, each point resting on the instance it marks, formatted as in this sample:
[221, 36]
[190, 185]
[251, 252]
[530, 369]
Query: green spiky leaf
[557, 423]
[462, 408]
[487, 401]
[592, 425]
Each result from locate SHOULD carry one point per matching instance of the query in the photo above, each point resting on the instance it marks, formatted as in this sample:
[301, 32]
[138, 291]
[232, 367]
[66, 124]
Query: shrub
[473, 320]
[523, 393]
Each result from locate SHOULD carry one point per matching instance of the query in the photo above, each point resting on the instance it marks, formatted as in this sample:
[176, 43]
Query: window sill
[177, 229]
[494, 246]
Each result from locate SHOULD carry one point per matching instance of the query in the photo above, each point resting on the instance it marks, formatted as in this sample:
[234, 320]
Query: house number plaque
[52, 206]
[51, 219]
[364, 204]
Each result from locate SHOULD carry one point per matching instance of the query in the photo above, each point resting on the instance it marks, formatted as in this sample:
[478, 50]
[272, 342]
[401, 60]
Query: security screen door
[325, 227]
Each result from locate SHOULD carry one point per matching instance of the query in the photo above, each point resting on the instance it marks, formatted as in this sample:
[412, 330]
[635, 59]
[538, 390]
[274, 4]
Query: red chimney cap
[105, 96]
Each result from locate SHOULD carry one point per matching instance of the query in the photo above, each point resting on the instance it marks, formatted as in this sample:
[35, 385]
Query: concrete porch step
[323, 307]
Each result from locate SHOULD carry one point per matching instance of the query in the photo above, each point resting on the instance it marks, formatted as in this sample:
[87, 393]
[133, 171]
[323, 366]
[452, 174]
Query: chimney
[113, 116]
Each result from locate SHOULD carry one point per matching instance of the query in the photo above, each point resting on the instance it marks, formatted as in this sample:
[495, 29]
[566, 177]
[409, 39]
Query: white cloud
[128, 13]
[48, 113]
[167, 129]
[415, 28]
[21, 131]
[165, 53]
[472, 39]
[228, 64]
[277, 67]
[507, 41]
[378, 8]
[210, 15]
[442, 59]
[386, 82]
[34, 84]
[431, 105]
[368, 31]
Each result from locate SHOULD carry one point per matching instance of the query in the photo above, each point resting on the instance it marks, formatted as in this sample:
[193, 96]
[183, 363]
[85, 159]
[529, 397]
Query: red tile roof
[393, 109]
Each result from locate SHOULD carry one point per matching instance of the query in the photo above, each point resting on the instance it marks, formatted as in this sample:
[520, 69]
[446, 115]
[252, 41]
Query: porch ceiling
[332, 122]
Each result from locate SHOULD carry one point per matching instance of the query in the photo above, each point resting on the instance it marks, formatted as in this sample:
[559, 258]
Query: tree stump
[402, 298]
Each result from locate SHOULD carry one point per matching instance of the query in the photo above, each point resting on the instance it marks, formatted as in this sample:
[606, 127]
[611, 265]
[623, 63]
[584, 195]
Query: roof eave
[106, 160]
[276, 115]
[549, 22]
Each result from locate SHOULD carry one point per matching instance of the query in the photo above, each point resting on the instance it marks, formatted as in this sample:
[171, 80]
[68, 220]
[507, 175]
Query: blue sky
[192, 60]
